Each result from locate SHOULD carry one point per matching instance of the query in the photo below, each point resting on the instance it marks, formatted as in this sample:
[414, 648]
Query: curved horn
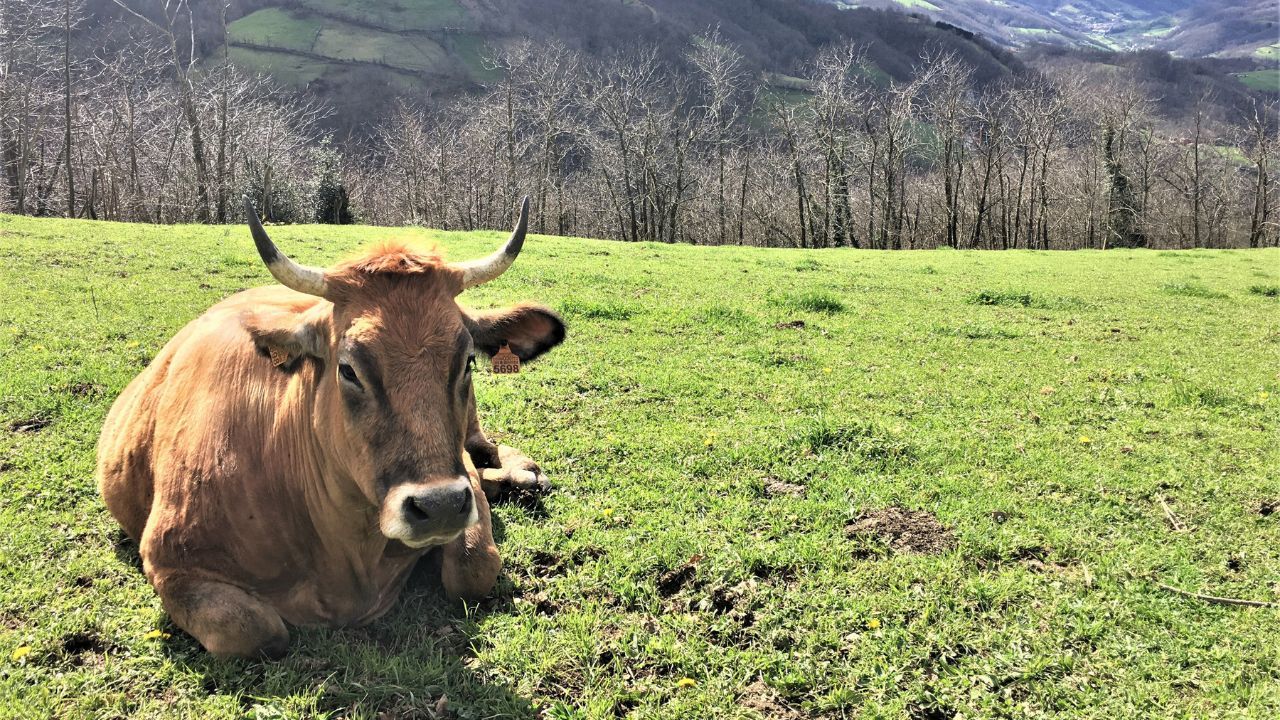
[302, 278]
[478, 272]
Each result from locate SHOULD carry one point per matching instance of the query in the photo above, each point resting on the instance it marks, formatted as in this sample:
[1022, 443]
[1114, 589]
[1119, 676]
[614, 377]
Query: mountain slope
[1190, 28]
[352, 51]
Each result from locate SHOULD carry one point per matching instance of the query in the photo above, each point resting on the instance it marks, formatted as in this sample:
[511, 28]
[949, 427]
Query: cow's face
[396, 355]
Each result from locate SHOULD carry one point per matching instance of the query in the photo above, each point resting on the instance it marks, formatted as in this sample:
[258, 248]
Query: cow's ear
[288, 336]
[530, 330]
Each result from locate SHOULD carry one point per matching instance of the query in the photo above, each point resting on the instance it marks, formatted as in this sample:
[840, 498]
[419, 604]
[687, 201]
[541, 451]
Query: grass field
[1266, 80]
[789, 484]
[344, 30]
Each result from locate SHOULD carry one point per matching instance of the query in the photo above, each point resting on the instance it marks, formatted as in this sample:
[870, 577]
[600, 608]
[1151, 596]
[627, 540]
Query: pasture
[789, 484]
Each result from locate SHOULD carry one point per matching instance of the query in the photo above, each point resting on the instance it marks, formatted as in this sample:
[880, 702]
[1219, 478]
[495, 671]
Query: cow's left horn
[478, 272]
[302, 278]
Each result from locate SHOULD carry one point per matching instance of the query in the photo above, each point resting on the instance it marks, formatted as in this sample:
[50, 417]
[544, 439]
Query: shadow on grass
[399, 666]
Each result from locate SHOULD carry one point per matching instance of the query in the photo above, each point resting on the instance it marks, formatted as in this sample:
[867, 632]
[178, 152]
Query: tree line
[634, 147]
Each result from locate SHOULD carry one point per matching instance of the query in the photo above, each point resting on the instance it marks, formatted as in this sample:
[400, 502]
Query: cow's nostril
[464, 500]
[414, 510]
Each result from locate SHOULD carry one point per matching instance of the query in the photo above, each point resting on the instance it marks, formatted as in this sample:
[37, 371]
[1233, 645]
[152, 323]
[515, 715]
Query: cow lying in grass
[291, 454]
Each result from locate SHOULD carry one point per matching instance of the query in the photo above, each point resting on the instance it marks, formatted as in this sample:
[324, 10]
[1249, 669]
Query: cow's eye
[348, 373]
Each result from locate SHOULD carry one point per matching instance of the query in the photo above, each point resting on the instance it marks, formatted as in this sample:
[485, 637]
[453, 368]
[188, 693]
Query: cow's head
[395, 355]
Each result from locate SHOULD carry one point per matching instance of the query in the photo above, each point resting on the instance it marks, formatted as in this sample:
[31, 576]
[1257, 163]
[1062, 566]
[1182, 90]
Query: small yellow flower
[1085, 439]
[37, 348]
[20, 652]
[157, 635]
[874, 623]
[685, 682]
[826, 370]
[1263, 395]
[608, 513]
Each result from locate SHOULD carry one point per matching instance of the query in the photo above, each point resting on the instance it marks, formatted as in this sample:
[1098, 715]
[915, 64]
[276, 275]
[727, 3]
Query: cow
[289, 455]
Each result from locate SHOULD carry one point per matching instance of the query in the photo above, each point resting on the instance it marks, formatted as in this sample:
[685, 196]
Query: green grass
[348, 42]
[1268, 52]
[709, 451]
[282, 67]
[331, 38]
[1266, 80]
[277, 27]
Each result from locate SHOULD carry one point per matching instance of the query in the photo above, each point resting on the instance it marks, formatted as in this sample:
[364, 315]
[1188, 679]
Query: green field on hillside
[789, 484]
[1268, 80]
[395, 38]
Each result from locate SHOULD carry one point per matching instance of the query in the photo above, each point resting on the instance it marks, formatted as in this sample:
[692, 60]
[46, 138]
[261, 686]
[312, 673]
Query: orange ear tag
[504, 361]
[278, 357]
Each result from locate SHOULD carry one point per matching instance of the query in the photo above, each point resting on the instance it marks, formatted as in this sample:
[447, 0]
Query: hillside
[790, 484]
[360, 55]
[1188, 28]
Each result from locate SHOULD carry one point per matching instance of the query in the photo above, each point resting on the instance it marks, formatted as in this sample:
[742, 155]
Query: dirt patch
[738, 605]
[670, 582]
[793, 325]
[549, 564]
[1267, 508]
[85, 648]
[762, 699]
[902, 530]
[85, 389]
[778, 488]
[30, 425]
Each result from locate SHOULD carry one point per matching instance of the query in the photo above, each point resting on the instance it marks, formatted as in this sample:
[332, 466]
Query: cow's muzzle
[431, 513]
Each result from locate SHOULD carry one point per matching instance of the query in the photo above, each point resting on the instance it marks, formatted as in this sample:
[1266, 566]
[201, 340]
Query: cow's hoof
[517, 473]
[276, 649]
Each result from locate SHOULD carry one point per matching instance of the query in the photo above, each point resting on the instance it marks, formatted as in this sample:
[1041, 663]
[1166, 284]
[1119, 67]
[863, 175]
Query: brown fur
[255, 491]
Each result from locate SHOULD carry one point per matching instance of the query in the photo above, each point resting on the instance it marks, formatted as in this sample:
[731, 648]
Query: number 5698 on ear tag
[504, 361]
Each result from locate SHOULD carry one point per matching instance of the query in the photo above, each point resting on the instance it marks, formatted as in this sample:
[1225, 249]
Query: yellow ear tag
[504, 361]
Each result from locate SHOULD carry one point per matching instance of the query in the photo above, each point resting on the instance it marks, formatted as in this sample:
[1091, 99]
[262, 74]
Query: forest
[697, 147]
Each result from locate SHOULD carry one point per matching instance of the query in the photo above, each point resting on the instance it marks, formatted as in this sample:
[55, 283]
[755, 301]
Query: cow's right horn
[302, 278]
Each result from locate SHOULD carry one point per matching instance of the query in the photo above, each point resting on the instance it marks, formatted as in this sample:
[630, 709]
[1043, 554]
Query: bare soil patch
[903, 530]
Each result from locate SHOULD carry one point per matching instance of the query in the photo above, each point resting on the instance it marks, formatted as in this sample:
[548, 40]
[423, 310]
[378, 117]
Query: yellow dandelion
[37, 348]
[608, 513]
[157, 635]
[1085, 439]
[20, 652]
[686, 682]
[874, 623]
[1263, 395]
[826, 370]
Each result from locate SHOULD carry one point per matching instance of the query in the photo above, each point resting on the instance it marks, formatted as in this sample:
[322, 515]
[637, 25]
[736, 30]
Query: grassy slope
[1266, 80]
[318, 27]
[662, 419]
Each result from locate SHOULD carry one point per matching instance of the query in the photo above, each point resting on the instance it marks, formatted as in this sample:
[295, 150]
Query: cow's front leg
[227, 621]
[469, 565]
[501, 466]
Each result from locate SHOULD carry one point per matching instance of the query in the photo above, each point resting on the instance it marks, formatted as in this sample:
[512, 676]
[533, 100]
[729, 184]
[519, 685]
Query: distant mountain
[1188, 28]
[360, 56]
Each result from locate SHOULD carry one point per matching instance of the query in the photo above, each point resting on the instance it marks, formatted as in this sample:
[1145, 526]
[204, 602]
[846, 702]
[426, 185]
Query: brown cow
[291, 453]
